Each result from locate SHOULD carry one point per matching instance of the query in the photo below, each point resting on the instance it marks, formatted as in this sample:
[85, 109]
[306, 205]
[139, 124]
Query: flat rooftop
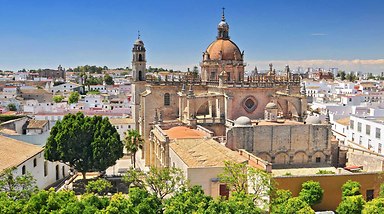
[306, 171]
[182, 132]
[280, 122]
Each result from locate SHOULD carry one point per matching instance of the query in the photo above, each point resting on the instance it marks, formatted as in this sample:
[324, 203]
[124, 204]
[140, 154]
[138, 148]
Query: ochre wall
[331, 185]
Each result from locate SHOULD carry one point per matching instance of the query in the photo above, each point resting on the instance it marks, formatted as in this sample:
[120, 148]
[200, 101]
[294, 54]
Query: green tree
[133, 142]
[235, 176]
[74, 97]
[279, 198]
[11, 107]
[311, 192]
[47, 201]
[17, 187]
[144, 202]
[57, 98]
[164, 181]
[134, 177]
[381, 193]
[376, 206]
[99, 186]
[192, 200]
[297, 205]
[108, 79]
[239, 178]
[86, 143]
[350, 188]
[341, 74]
[238, 203]
[351, 205]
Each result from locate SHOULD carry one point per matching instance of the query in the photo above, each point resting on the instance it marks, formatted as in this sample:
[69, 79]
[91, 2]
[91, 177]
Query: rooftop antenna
[138, 34]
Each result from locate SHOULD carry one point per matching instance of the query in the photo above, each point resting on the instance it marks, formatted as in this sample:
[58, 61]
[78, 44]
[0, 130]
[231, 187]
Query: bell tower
[138, 60]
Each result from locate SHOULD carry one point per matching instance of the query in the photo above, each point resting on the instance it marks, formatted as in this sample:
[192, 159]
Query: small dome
[224, 47]
[223, 24]
[271, 105]
[243, 121]
[139, 42]
[313, 120]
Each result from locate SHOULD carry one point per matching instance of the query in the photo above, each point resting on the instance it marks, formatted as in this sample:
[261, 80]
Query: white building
[30, 158]
[66, 88]
[367, 132]
[122, 125]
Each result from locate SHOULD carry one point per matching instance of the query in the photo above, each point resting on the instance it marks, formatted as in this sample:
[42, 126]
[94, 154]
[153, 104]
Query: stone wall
[283, 144]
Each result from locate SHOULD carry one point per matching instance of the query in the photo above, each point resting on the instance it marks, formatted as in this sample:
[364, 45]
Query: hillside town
[288, 125]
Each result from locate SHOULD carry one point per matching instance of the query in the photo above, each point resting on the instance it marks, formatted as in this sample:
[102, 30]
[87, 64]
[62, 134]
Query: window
[318, 159]
[378, 136]
[358, 126]
[351, 124]
[224, 191]
[34, 162]
[167, 99]
[370, 194]
[45, 168]
[379, 148]
[23, 170]
[368, 129]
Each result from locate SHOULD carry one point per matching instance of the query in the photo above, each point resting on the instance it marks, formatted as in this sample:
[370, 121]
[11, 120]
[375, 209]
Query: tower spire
[138, 34]
[223, 16]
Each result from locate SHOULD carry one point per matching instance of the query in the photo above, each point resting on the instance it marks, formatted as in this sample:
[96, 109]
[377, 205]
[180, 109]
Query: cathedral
[224, 101]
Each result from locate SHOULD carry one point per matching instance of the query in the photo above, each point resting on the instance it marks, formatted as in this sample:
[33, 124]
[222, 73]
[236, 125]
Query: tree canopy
[86, 143]
[74, 97]
[351, 205]
[108, 79]
[133, 142]
[17, 187]
[311, 192]
[350, 188]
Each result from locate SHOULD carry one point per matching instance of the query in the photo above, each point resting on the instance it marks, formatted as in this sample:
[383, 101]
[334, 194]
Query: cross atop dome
[223, 16]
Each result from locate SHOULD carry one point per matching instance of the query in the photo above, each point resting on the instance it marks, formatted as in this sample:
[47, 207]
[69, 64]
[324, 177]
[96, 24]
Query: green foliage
[188, 201]
[351, 205]
[350, 188]
[144, 202]
[17, 187]
[74, 97]
[296, 205]
[91, 80]
[133, 142]
[322, 172]
[239, 178]
[5, 118]
[11, 107]
[57, 98]
[279, 198]
[239, 203]
[108, 79]
[351, 77]
[90, 69]
[341, 74]
[235, 176]
[164, 181]
[381, 193]
[376, 206]
[288, 174]
[311, 192]
[86, 143]
[99, 186]
[134, 177]
[97, 92]
[48, 201]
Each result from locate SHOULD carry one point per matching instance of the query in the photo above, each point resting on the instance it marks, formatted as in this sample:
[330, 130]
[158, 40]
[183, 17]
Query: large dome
[243, 121]
[226, 47]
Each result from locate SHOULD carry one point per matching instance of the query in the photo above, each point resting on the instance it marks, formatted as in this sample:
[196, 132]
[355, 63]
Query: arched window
[140, 57]
[23, 170]
[167, 99]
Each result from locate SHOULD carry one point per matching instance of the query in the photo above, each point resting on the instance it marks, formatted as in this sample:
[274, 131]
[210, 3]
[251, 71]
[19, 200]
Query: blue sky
[331, 33]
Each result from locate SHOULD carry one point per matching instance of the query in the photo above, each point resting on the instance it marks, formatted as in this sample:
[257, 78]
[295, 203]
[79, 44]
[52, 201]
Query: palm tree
[133, 142]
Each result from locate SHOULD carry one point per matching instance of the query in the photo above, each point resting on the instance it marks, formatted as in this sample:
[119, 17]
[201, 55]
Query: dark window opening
[370, 194]
[224, 191]
[318, 159]
[23, 170]
[34, 162]
[167, 99]
[57, 172]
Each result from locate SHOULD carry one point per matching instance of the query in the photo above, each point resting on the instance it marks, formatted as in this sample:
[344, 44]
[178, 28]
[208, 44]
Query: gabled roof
[37, 124]
[14, 152]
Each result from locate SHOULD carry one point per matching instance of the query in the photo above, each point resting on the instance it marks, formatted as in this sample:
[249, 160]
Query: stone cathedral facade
[219, 96]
